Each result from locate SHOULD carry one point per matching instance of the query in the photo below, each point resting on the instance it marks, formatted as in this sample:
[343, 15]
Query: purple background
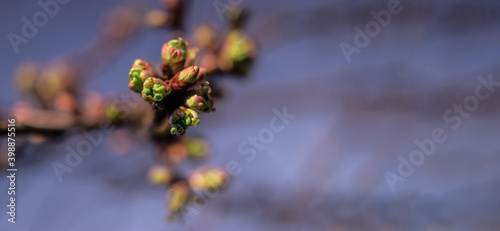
[325, 171]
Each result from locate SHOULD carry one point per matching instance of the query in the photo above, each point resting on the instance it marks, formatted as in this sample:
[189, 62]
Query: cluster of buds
[232, 53]
[178, 92]
[155, 89]
[141, 70]
[184, 192]
[183, 118]
[52, 87]
[180, 89]
[200, 99]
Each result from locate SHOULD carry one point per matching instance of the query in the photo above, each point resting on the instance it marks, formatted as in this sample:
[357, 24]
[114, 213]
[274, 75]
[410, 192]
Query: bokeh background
[325, 171]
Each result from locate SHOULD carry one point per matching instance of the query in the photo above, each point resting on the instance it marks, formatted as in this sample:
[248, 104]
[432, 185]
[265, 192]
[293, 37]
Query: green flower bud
[195, 102]
[237, 52]
[160, 175]
[155, 90]
[174, 54]
[200, 99]
[191, 117]
[137, 77]
[208, 179]
[181, 119]
[204, 89]
[201, 103]
[113, 114]
[196, 148]
[189, 74]
[184, 79]
[178, 197]
[141, 64]
[215, 179]
[240, 47]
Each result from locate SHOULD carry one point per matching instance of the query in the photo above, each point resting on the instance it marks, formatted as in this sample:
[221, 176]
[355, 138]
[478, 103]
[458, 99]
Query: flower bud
[204, 36]
[175, 152]
[159, 175]
[26, 76]
[156, 18]
[155, 90]
[138, 74]
[237, 52]
[203, 89]
[184, 79]
[174, 54]
[200, 98]
[56, 78]
[181, 119]
[178, 196]
[215, 179]
[189, 74]
[208, 179]
[196, 148]
[113, 114]
[201, 103]
[143, 65]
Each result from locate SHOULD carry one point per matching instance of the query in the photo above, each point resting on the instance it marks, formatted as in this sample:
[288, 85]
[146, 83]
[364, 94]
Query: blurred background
[326, 170]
